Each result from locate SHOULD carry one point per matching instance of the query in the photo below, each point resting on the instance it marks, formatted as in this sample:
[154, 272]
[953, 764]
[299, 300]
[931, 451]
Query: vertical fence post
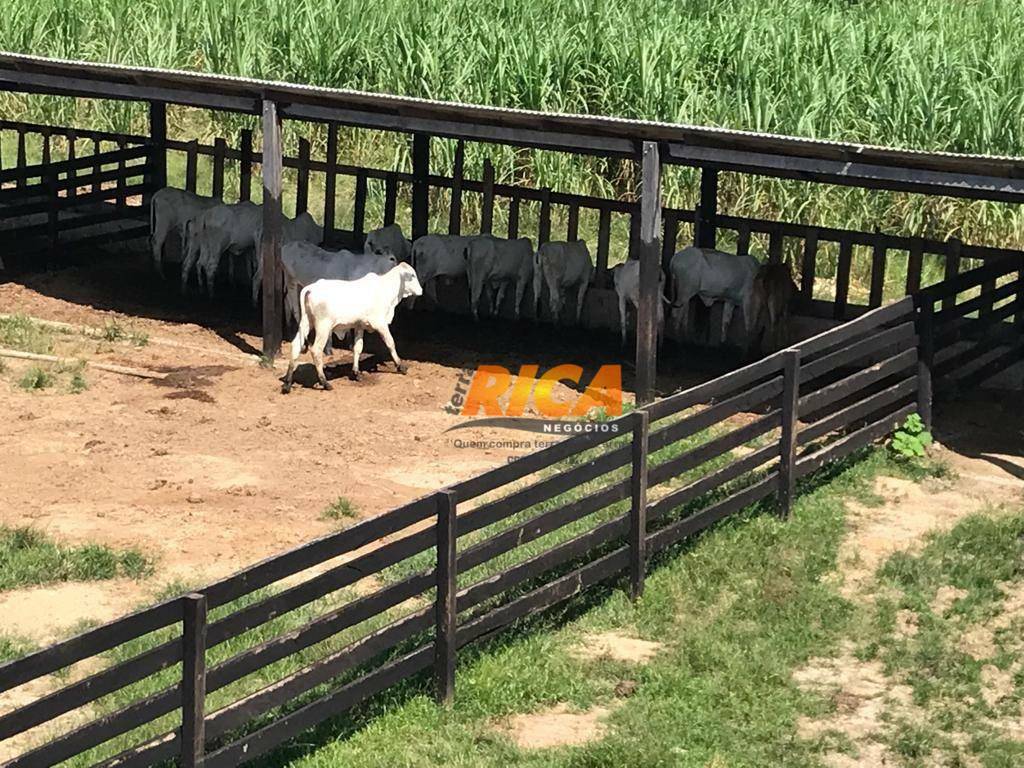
[245, 165]
[193, 689]
[220, 151]
[787, 442]
[158, 142]
[604, 228]
[445, 606]
[270, 246]
[649, 254]
[302, 178]
[192, 165]
[544, 226]
[707, 220]
[487, 203]
[638, 510]
[52, 218]
[420, 184]
[331, 179]
[925, 356]
[458, 168]
[809, 265]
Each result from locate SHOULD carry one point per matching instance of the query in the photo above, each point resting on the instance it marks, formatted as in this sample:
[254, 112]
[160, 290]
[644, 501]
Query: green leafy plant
[35, 378]
[911, 440]
[342, 509]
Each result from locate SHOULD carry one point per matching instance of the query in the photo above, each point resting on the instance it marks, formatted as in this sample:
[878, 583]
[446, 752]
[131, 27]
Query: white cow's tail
[304, 315]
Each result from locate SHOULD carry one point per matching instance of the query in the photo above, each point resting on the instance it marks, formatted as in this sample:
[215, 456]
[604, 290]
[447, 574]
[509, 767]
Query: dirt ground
[212, 468]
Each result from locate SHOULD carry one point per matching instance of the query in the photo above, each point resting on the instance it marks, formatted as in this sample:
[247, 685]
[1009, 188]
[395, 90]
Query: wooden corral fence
[459, 565]
[88, 187]
[54, 205]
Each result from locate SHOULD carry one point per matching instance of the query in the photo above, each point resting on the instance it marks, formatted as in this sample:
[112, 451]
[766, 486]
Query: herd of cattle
[335, 290]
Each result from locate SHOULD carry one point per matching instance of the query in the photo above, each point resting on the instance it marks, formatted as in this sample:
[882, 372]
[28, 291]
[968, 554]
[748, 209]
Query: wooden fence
[238, 668]
[886, 251]
[100, 179]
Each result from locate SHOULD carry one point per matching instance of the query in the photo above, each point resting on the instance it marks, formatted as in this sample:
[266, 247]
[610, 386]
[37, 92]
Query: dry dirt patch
[617, 646]
[556, 726]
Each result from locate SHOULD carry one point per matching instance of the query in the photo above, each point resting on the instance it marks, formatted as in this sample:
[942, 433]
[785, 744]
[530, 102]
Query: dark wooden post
[787, 442]
[638, 509]
[487, 203]
[513, 217]
[1018, 318]
[544, 227]
[331, 179]
[952, 267]
[455, 211]
[390, 198]
[420, 184]
[775, 245]
[925, 357]
[671, 229]
[604, 230]
[359, 208]
[706, 233]
[446, 608]
[192, 165]
[72, 189]
[220, 151]
[158, 142]
[809, 265]
[97, 166]
[270, 246]
[52, 219]
[572, 227]
[843, 279]
[193, 688]
[122, 166]
[22, 158]
[302, 178]
[649, 254]
[915, 261]
[245, 165]
[878, 260]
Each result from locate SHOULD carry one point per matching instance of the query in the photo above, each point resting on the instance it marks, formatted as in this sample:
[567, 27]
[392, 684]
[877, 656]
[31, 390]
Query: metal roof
[965, 175]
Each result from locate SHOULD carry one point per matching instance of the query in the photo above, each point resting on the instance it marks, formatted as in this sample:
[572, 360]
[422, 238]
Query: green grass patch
[21, 333]
[35, 378]
[341, 509]
[13, 648]
[29, 557]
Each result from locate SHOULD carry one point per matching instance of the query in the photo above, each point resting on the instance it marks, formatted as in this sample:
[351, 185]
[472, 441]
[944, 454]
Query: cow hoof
[403, 368]
[327, 386]
[286, 388]
[356, 375]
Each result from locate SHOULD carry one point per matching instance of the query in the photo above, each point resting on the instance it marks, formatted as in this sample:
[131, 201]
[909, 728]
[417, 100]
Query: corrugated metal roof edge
[554, 121]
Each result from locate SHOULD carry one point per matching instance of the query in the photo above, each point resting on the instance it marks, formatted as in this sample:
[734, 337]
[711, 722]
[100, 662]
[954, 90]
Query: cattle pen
[597, 506]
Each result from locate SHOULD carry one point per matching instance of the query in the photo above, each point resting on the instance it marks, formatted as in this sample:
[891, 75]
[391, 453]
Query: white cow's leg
[498, 298]
[520, 293]
[476, 289]
[161, 230]
[727, 310]
[385, 333]
[189, 262]
[581, 295]
[323, 332]
[622, 318]
[297, 346]
[357, 351]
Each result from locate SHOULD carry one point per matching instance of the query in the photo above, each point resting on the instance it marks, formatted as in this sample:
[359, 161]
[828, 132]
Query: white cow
[436, 256]
[389, 239]
[493, 261]
[364, 304]
[218, 230]
[304, 263]
[626, 280]
[303, 228]
[713, 276]
[564, 267]
[169, 211]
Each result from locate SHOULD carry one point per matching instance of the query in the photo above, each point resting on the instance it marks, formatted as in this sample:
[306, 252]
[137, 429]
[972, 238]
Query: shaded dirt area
[211, 468]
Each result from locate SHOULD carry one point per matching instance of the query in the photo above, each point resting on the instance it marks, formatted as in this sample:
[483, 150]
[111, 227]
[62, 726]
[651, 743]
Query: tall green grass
[938, 76]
